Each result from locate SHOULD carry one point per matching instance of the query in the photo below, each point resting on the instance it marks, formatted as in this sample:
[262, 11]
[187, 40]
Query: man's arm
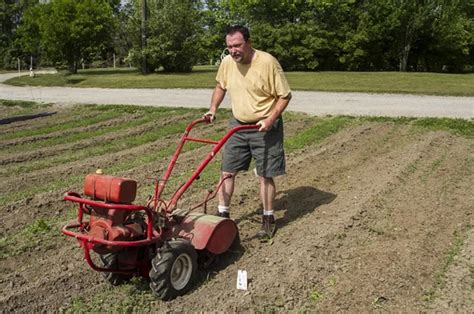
[280, 106]
[216, 99]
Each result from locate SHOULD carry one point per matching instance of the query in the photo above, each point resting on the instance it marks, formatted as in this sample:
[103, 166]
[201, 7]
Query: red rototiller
[157, 240]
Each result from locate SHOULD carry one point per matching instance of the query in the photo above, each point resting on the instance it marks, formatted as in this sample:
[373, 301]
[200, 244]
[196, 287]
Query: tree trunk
[72, 66]
[407, 40]
[404, 57]
[144, 17]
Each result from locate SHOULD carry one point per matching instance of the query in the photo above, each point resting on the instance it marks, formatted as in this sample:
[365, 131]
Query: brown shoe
[268, 227]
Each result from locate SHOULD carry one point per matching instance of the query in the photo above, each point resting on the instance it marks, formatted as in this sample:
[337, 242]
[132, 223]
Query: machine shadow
[295, 203]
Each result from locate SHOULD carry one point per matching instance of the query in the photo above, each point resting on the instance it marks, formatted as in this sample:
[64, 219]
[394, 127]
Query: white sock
[268, 212]
[223, 209]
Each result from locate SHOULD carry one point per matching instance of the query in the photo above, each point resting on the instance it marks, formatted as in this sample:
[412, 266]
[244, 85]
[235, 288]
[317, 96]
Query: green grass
[78, 122]
[12, 108]
[107, 147]
[117, 167]
[87, 134]
[321, 129]
[459, 127]
[204, 77]
[384, 82]
[18, 103]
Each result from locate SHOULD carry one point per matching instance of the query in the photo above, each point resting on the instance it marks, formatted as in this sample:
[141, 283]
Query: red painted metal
[209, 232]
[177, 195]
[71, 196]
[110, 228]
[110, 189]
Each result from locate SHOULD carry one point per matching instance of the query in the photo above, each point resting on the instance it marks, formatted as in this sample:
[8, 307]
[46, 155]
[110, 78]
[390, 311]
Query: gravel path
[317, 103]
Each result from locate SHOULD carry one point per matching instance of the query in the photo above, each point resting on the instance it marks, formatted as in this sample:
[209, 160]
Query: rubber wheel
[173, 269]
[110, 261]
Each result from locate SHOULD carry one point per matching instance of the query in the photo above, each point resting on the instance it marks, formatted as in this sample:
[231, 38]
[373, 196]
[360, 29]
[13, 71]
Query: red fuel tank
[110, 189]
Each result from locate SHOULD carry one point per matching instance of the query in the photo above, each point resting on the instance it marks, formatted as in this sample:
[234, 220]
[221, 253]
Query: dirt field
[375, 217]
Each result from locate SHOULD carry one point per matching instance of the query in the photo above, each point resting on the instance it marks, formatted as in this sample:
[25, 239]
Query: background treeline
[174, 35]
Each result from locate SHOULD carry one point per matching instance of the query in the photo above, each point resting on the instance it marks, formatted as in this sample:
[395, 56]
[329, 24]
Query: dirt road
[316, 103]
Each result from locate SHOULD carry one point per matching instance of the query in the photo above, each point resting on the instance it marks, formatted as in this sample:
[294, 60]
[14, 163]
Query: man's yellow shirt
[254, 87]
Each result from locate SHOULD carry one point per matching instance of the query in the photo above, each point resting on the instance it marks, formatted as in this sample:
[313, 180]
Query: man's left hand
[265, 125]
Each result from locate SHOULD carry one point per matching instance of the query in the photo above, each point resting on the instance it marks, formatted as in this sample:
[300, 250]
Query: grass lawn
[203, 77]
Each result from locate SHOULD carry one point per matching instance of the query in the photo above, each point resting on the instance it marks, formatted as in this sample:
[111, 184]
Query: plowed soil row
[378, 216]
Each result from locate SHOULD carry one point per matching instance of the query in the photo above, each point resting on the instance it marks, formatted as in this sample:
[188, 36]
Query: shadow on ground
[299, 202]
[295, 203]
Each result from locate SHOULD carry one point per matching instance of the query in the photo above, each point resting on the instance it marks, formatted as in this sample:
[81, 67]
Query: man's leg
[267, 192]
[225, 193]
[227, 188]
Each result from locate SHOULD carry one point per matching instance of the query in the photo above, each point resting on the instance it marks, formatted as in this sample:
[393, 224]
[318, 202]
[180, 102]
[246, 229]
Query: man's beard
[238, 57]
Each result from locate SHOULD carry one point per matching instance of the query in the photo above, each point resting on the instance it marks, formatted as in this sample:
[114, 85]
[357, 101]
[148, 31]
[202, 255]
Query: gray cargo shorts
[265, 147]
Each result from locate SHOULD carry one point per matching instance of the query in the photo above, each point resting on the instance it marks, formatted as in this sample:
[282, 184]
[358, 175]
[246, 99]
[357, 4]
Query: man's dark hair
[238, 29]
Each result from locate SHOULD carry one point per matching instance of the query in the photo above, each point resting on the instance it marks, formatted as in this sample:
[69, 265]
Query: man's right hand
[210, 116]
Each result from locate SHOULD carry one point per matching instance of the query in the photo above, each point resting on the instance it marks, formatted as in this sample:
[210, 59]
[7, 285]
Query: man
[260, 93]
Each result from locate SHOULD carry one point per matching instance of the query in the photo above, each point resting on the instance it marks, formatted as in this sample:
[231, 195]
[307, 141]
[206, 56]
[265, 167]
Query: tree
[173, 28]
[11, 12]
[449, 43]
[303, 35]
[28, 39]
[72, 30]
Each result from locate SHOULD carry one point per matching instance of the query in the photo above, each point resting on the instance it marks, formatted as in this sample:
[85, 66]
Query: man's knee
[228, 175]
[266, 180]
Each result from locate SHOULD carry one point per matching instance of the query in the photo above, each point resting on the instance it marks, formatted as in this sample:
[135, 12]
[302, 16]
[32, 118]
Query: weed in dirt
[332, 281]
[133, 297]
[377, 230]
[409, 170]
[471, 275]
[315, 296]
[440, 277]
[341, 236]
[38, 235]
[457, 126]
[378, 302]
[433, 167]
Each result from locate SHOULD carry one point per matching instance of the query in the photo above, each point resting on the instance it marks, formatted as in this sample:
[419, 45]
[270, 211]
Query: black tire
[173, 269]
[110, 261]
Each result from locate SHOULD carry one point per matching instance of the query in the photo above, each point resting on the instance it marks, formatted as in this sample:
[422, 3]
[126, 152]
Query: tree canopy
[308, 35]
